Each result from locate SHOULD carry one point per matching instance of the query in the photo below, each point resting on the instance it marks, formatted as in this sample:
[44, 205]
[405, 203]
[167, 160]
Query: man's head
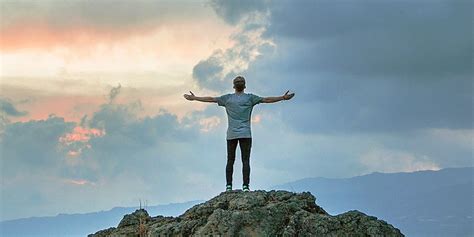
[239, 83]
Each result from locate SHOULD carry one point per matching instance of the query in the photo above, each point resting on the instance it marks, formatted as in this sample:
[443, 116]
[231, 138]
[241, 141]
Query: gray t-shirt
[239, 112]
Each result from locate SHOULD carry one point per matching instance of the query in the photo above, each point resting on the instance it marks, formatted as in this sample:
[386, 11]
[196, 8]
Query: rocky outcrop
[255, 213]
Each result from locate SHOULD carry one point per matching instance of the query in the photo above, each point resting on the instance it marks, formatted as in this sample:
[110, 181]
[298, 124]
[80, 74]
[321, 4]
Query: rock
[255, 213]
[134, 218]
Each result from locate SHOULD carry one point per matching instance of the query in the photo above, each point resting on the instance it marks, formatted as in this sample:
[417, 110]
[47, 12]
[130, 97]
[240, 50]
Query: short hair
[239, 77]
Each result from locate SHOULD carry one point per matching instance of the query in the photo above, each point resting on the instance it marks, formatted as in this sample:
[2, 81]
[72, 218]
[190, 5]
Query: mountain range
[421, 203]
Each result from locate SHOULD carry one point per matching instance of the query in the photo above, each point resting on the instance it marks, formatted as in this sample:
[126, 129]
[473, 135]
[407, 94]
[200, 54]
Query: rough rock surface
[255, 213]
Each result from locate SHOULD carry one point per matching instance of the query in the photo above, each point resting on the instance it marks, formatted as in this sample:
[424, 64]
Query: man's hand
[287, 96]
[202, 98]
[190, 97]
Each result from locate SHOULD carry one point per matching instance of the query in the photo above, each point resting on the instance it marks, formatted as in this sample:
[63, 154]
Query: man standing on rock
[239, 107]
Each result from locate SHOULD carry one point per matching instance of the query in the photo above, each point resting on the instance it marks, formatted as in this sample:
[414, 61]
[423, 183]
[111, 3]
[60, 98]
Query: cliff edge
[254, 213]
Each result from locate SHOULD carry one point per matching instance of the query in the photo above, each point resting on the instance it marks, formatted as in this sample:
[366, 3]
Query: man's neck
[239, 92]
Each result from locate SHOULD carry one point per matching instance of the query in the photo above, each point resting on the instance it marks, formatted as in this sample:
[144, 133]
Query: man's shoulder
[253, 96]
[225, 95]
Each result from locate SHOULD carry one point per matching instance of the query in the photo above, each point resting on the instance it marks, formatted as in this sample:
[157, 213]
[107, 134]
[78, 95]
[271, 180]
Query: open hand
[287, 96]
[189, 97]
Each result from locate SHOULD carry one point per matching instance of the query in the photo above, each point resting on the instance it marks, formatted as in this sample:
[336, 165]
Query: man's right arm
[286, 96]
[272, 99]
[198, 98]
[206, 99]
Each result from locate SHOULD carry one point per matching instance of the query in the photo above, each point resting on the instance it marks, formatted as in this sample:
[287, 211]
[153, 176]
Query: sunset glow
[68, 70]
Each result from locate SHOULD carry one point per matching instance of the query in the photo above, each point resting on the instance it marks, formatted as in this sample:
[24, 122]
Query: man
[239, 107]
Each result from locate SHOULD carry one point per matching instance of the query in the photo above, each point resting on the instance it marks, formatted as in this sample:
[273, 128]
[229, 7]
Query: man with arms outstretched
[239, 107]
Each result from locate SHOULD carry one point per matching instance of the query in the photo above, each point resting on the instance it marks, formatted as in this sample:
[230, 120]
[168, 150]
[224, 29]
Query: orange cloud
[81, 134]
[42, 51]
[71, 108]
[73, 153]
[207, 124]
[72, 99]
[78, 182]
[23, 35]
[42, 24]
[256, 119]
[181, 35]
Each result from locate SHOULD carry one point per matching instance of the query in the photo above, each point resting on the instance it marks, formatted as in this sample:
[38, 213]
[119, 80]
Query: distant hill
[81, 224]
[422, 203]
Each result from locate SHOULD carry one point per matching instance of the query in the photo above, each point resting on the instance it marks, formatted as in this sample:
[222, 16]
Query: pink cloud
[81, 134]
[78, 182]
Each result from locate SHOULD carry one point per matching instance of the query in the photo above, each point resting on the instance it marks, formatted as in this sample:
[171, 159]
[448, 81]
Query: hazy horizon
[190, 201]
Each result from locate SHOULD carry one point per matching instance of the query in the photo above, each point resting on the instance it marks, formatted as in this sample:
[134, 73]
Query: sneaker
[245, 188]
[228, 187]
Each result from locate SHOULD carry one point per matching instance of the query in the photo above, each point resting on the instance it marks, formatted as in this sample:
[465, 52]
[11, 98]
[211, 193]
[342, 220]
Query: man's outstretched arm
[202, 99]
[286, 96]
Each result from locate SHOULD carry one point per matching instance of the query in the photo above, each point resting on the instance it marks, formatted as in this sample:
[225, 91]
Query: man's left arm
[274, 99]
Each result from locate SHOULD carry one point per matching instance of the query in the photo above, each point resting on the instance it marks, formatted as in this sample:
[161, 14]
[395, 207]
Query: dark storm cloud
[208, 72]
[7, 108]
[369, 66]
[344, 103]
[126, 133]
[31, 144]
[373, 37]
[218, 70]
[37, 142]
[233, 11]
[114, 92]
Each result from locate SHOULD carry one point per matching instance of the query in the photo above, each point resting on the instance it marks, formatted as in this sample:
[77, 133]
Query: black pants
[245, 146]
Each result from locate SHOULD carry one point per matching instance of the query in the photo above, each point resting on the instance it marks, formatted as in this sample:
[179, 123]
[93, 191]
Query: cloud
[462, 138]
[413, 38]
[207, 124]
[400, 161]
[120, 15]
[8, 109]
[353, 72]
[114, 92]
[38, 154]
[54, 23]
[112, 151]
[118, 153]
[222, 66]
[234, 11]
[208, 71]
[31, 144]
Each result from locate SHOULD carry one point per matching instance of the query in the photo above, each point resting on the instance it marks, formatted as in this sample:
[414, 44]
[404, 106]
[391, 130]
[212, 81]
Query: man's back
[239, 108]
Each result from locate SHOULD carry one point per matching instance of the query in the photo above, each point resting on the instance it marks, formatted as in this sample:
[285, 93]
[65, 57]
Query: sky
[92, 113]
